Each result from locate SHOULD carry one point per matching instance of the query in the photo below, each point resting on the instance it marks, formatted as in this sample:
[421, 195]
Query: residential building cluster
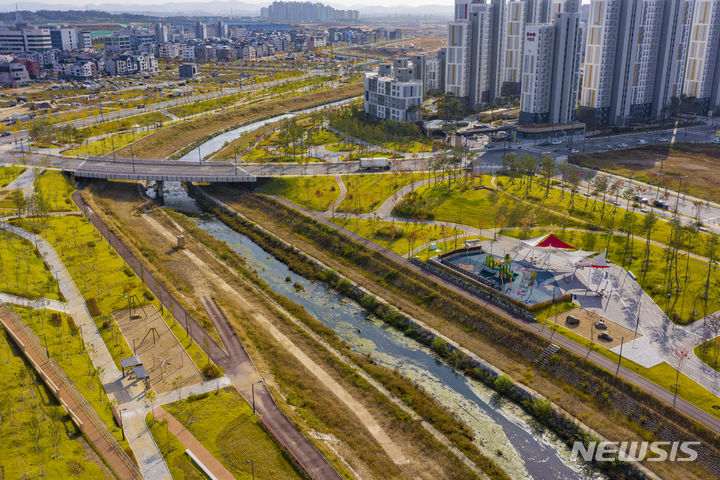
[68, 53]
[306, 12]
[395, 91]
[612, 62]
[644, 57]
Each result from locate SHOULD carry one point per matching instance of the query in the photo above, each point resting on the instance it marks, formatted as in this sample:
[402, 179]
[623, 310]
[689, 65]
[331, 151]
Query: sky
[337, 3]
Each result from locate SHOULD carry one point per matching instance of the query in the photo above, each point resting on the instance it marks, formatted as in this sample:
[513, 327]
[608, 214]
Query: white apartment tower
[457, 65]
[537, 73]
[702, 73]
[551, 71]
[600, 50]
[514, 35]
[672, 55]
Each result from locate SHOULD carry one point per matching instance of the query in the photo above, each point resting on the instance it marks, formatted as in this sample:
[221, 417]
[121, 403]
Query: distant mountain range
[227, 8]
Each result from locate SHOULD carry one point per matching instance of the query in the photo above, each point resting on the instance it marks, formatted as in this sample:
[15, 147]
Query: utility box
[180, 242]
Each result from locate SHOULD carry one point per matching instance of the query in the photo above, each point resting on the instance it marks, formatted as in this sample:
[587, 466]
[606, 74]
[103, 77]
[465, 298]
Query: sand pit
[163, 356]
[587, 325]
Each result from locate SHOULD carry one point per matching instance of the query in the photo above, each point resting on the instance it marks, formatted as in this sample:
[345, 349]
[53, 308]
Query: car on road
[661, 204]
[640, 199]
[574, 150]
[556, 142]
[608, 147]
[663, 140]
[5, 134]
[544, 144]
[623, 145]
[642, 141]
[716, 141]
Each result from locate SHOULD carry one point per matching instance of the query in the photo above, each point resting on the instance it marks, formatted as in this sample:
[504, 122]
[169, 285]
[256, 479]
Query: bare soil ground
[587, 327]
[162, 355]
[696, 164]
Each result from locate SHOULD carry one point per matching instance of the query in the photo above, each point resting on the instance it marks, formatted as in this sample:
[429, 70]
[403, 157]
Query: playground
[151, 340]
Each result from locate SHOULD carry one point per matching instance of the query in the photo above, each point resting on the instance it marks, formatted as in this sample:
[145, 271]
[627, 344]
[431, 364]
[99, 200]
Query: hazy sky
[339, 3]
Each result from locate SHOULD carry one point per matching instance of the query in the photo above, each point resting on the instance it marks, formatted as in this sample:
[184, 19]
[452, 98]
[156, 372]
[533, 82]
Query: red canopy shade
[553, 241]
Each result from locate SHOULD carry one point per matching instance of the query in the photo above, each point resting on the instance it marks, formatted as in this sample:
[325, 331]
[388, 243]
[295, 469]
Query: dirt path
[365, 417]
[243, 378]
[189, 441]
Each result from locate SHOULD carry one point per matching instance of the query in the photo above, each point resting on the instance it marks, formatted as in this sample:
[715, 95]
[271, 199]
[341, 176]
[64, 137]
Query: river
[503, 431]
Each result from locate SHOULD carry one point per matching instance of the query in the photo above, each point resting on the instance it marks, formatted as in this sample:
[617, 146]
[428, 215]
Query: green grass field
[709, 352]
[59, 335]
[22, 271]
[8, 174]
[313, 193]
[224, 423]
[107, 145]
[481, 208]
[56, 190]
[38, 438]
[398, 237]
[595, 211]
[367, 192]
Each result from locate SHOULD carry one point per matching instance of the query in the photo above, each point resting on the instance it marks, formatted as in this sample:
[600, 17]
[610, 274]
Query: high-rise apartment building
[702, 73]
[471, 57]
[551, 70]
[672, 56]
[162, 33]
[393, 92]
[514, 34]
[642, 56]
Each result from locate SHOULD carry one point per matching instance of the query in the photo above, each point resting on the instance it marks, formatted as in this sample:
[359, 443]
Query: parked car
[716, 141]
[640, 199]
[608, 147]
[574, 150]
[663, 140]
[5, 134]
[623, 145]
[556, 142]
[642, 141]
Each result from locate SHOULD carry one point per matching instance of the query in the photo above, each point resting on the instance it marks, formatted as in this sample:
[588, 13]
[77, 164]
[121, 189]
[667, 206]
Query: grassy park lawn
[56, 190]
[22, 271]
[680, 305]
[107, 145]
[597, 212]
[144, 120]
[103, 278]
[342, 147]
[224, 423]
[477, 207]
[314, 193]
[398, 237]
[8, 174]
[405, 146]
[60, 336]
[35, 421]
[709, 352]
[696, 163]
[322, 137]
[367, 192]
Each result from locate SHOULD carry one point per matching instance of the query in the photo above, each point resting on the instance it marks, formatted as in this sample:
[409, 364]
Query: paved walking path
[25, 182]
[341, 197]
[38, 304]
[191, 443]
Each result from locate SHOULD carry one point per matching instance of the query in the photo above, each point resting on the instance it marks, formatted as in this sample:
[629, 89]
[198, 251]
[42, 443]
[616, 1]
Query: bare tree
[681, 354]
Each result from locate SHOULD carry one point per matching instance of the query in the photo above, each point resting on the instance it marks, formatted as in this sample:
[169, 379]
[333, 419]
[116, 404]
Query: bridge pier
[160, 192]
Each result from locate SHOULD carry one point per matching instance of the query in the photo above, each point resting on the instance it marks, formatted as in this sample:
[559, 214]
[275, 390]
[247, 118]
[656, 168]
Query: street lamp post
[252, 468]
